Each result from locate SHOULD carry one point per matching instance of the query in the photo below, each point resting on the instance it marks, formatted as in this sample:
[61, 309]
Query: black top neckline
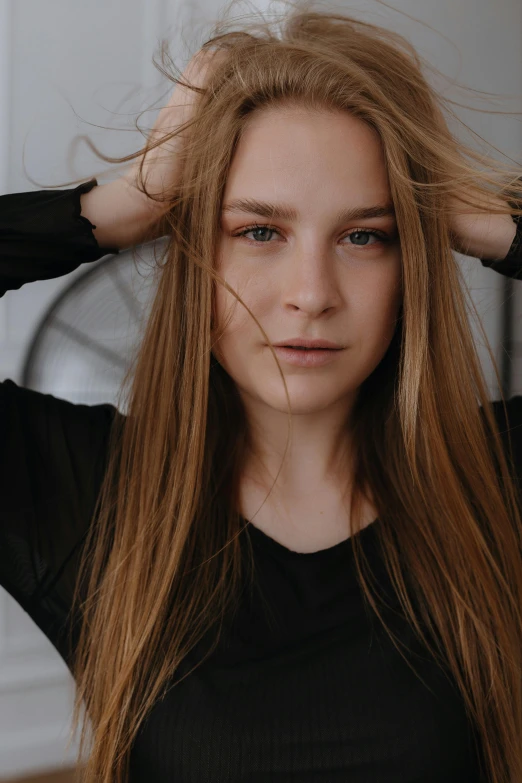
[261, 538]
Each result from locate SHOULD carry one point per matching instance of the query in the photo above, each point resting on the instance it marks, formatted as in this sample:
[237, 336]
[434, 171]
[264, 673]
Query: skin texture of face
[310, 275]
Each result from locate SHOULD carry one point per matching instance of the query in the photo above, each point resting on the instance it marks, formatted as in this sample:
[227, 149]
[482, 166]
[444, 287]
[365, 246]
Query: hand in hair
[478, 227]
[159, 165]
[482, 233]
[125, 215]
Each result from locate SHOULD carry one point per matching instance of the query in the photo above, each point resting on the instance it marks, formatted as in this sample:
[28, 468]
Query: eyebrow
[285, 212]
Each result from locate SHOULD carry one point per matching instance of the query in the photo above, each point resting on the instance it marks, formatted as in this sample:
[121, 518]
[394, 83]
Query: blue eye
[256, 228]
[380, 236]
[367, 232]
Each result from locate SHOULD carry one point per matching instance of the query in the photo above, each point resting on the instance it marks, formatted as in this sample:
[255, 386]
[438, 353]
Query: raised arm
[53, 452]
[49, 233]
[494, 239]
[44, 235]
[122, 214]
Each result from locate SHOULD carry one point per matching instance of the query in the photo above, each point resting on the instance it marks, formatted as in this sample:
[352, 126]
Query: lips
[305, 357]
[303, 343]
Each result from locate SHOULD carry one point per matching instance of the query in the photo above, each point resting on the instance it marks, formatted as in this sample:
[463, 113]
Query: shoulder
[50, 446]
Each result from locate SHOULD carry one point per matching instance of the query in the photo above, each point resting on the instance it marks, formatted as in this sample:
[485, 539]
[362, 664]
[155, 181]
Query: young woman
[365, 624]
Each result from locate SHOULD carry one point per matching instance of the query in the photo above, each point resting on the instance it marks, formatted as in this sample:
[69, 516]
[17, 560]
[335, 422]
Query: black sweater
[316, 692]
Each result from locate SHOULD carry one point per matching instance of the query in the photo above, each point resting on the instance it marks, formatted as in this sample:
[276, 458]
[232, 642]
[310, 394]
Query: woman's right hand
[122, 214]
[160, 165]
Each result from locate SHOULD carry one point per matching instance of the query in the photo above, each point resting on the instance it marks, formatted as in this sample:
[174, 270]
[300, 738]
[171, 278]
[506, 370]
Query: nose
[311, 283]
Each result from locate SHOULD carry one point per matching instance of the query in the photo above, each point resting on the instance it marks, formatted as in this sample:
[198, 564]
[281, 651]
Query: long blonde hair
[162, 560]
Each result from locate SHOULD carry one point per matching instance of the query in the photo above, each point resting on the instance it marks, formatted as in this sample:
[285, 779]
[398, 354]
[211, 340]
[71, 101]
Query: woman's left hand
[481, 234]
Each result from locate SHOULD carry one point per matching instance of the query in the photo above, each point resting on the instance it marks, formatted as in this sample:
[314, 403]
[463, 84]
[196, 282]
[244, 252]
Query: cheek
[378, 295]
[228, 314]
[231, 316]
[232, 323]
[378, 310]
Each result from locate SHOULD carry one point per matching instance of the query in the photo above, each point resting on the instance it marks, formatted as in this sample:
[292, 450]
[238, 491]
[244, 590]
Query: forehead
[299, 153]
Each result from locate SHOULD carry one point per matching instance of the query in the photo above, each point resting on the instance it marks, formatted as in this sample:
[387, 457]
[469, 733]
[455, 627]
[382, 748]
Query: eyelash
[380, 235]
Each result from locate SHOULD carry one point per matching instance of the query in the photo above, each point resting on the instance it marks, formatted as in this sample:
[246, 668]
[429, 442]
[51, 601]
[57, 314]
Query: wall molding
[5, 125]
[5, 90]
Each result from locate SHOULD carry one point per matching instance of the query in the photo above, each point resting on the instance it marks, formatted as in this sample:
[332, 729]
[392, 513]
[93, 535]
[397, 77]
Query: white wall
[92, 55]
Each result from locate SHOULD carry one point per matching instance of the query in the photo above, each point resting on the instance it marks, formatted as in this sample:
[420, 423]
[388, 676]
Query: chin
[304, 402]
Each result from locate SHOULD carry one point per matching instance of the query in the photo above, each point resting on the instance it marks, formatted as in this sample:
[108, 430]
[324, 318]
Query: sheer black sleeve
[44, 235]
[52, 452]
[511, 265]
